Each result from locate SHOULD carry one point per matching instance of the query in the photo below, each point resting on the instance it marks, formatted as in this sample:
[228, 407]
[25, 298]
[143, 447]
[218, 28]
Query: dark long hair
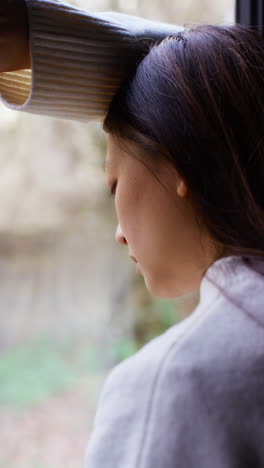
[197, 99]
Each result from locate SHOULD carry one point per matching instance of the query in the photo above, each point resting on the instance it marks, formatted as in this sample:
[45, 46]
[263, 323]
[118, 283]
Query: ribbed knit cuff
[78, 60]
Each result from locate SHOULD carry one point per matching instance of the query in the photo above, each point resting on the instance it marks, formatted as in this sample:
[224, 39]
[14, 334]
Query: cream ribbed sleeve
[78, 59]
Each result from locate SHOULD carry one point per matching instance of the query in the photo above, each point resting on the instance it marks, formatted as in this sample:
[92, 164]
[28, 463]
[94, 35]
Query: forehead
[111, 149]
[123, 153]
[114, 153]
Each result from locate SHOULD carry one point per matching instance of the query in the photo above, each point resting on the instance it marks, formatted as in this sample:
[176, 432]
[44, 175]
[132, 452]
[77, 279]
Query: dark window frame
[250, 13]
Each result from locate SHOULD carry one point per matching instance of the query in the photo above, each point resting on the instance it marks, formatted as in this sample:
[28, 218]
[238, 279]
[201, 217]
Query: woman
[185, 163]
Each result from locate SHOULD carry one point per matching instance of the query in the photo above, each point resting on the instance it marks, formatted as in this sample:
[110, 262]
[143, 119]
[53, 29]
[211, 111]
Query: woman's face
[156, 223]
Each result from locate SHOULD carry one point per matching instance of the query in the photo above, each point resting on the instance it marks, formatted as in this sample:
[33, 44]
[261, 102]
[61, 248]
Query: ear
[182, 188]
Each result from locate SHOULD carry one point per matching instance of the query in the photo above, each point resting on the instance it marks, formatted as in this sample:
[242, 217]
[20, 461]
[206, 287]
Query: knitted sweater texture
[194, 396]
[78, 59]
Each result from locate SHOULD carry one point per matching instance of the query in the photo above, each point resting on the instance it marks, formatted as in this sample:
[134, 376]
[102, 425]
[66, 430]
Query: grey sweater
[194, 396]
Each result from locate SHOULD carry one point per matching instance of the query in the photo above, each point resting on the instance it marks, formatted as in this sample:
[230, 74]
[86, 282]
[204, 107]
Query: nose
[119, 236]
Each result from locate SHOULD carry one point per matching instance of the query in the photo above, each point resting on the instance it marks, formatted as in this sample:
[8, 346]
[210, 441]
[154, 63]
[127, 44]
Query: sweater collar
[231, 275]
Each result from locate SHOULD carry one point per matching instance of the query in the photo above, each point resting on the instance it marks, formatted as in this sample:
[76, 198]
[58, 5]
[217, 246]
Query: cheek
[127, 210]
[166, 236]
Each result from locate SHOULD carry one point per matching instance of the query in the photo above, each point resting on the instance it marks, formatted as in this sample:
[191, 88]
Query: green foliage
[122, 349]
[154, 319]
[151, 320]
[166, 312]
[30, 374]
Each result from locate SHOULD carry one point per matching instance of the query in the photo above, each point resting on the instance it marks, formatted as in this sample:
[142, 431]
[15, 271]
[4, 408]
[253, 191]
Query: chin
[161, 290]
[164, 290]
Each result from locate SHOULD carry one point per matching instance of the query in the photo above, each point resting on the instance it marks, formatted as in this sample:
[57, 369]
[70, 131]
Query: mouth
[137, 265]
[133, 258]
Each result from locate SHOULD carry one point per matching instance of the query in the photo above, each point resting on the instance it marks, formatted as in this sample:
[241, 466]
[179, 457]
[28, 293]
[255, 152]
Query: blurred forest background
[72, 305]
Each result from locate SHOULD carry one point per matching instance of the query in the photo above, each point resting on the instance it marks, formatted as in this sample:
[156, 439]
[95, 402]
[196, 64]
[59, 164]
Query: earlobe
[182, 188]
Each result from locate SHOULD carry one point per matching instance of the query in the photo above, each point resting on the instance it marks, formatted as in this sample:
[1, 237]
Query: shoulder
[192, 396]
[220, 346]
[200, 385]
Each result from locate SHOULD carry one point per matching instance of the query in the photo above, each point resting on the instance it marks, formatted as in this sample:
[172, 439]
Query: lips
[137, 265]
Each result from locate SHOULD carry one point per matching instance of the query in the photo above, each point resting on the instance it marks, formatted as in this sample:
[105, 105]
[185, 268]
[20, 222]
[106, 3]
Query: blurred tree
[52, 192]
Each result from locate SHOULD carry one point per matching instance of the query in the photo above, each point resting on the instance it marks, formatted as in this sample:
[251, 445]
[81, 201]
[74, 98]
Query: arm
[14, 38]
[78, 59]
